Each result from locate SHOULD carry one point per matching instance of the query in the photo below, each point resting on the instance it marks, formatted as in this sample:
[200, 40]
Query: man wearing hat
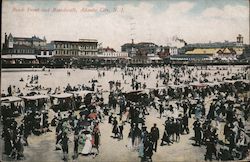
[161, 109]
[155, 136]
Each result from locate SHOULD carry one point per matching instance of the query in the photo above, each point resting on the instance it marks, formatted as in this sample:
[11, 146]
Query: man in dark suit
[155, 136]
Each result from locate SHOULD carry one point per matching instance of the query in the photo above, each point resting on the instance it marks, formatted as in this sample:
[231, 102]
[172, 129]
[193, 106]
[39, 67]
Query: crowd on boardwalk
[179, 94]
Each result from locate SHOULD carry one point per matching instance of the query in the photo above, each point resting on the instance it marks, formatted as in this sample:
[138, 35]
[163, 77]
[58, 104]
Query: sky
[115, 22]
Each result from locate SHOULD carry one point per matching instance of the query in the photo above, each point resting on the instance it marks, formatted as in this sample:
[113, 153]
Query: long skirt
[129, 145]
[165, 138]
[141, 149]
[8, 147]
[87, 148]
[115, 129]
[137, 142]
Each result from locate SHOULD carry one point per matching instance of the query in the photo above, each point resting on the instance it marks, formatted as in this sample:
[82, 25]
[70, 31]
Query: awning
[10, 99]
[107, 57]
[197, 84]
[44, 56]
[62, 95]
[230, 81]
[128, 58]
[29, 57]
[243, 80]
[134, 92]
[212, 84]
[240, 80]
[35, 97]
[154, 58]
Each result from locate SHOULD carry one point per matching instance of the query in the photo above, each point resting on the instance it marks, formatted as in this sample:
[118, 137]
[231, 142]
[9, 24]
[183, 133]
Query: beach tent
[85, 98]
[62, 102]
[62, 95]
[10, 99]
[35, 102]
[198, 85]
[36, 97]
[9, 108]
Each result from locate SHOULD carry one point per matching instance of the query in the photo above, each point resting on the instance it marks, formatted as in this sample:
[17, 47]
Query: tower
[132, 51]
[239, 40]
[5, 40]
[44, 39]
[10, 41]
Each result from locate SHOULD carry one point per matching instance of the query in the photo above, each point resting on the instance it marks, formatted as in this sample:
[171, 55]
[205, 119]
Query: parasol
[86, 132]
[84, 112]
[86, 123]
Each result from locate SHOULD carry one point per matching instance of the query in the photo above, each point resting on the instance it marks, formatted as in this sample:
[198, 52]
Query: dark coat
[155, 133]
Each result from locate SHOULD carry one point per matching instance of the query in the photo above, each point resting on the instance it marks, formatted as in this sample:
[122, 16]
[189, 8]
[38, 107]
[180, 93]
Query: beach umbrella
[84, 112]
[92, 115]
[86, 123]
[82, 107]
[197, 98]
[86, 132]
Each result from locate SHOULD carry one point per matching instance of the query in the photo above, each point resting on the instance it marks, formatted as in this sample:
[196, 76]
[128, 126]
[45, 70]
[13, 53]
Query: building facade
[33, 41]
[215, 53]
[46, 51]
[81, 48]
[129, 48]
[173, 51]
[110, 53]
[140, 49]
[118, 55]
[237, 46]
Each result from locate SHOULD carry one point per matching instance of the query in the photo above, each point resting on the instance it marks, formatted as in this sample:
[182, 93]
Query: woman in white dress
[87, 146]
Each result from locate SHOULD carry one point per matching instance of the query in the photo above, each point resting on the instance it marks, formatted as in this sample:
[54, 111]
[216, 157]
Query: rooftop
[80, 41]
[33, 38]
[211, 51]
[22, 46]
[207, 51]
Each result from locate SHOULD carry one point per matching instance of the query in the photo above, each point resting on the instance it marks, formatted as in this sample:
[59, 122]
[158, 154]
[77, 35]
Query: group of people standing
[83, 128]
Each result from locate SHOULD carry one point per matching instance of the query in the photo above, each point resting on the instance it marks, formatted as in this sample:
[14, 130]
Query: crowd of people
[180, 96]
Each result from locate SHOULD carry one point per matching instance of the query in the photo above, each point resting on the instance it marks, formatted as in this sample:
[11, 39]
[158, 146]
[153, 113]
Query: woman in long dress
[96, 137]
[198, 111]
[126, 115]
[87, 146]
[144, 135]
[115, 127]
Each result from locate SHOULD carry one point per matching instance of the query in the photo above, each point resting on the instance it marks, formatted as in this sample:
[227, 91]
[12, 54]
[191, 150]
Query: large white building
[173, 51]
[110, 53]
[113, 54]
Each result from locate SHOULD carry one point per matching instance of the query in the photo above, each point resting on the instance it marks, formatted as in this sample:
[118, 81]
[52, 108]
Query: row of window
[23, 51]
[21, 43]
[115, 54]
[74, 46]
[88, 47]
[46, 53]
[66, 52]
[88, 53]
[66, 46]
[29, 43]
